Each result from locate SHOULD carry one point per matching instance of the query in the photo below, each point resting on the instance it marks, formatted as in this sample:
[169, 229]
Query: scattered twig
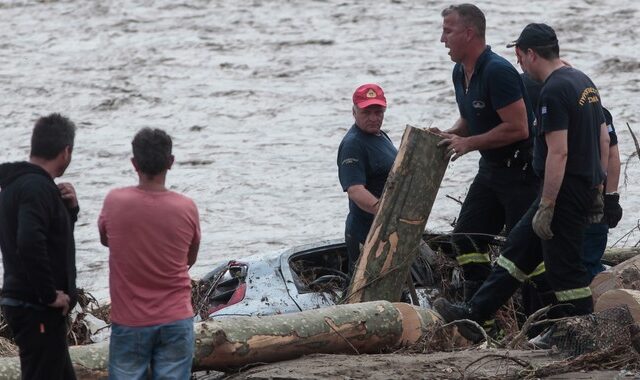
[635, 140]
[490, 342]
[454, 199]
[495, 357]
[517, 340]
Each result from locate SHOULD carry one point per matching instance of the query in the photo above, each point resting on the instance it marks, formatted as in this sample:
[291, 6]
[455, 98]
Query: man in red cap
[365, 157]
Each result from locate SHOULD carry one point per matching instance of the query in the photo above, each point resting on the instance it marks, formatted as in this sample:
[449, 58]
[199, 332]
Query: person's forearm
[613, 172]
[363, 198]
[193, 253]
[553, 174]
[555, 164]
[502, 135]
[604, 149]
[459, 128]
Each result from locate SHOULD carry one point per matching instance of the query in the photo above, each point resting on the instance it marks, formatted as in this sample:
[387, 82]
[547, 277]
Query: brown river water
[256, 95]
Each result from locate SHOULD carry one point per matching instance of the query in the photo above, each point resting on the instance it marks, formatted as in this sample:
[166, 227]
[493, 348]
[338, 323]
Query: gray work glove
[542, 219]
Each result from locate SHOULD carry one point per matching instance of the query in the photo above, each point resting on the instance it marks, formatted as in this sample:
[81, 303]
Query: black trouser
[353, 251]
[521, 258]
[41, 336]
[497, 199]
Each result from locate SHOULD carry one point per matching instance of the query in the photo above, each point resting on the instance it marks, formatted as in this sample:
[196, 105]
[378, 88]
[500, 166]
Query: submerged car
[300, 278]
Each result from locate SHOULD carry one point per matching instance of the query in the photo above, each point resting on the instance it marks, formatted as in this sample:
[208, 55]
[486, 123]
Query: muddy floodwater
[257, 96]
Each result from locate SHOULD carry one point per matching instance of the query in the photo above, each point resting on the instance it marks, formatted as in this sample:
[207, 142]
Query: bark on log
[618, 297]
[234, 342]
[625, 275]
[90, 362]
[370, 327]
[392, 242]
[615, 256]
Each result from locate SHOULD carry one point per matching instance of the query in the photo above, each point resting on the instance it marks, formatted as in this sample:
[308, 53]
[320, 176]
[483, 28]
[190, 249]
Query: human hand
[456, 146]
[62, 301]
[68, 194]
[612, 209]
[542, 219]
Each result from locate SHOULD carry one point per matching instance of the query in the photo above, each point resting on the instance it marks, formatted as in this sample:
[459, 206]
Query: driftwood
[392, 243]
[619, 297]
[625, 275]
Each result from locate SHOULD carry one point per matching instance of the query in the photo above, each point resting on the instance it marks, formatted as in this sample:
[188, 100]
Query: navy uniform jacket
[364, 159]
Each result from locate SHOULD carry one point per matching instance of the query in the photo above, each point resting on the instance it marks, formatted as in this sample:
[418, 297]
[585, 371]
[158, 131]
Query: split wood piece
[619, 297]
[405, 205]
[625, 275]
[372, 327]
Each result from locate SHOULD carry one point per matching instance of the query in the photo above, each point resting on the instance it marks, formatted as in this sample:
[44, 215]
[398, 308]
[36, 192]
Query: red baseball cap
[369, 94]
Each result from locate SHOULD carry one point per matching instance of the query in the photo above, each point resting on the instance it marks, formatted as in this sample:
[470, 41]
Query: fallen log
[618, 297]
[405, 205]
[615, 256]
[371, 327]
[90, 362]
[625, 275]
[234, 342]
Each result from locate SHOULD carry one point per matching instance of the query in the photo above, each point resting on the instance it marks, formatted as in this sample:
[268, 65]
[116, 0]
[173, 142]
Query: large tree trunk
[392, 243]
[625, 275]
[234, 342]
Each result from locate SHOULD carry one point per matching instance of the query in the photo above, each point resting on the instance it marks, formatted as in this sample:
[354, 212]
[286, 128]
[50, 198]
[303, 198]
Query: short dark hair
[51, 135]
[548, 52]
[152, 150]
[470, 15]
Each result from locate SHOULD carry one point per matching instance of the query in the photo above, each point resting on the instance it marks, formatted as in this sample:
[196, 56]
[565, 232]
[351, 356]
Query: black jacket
[36, 236]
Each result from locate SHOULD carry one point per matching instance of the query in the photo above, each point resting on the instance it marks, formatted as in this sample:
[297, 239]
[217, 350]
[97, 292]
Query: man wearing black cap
[365, 157]
[495, 119]
[570, 152]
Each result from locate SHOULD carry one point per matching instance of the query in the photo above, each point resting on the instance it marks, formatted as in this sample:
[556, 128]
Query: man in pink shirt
[153, 235]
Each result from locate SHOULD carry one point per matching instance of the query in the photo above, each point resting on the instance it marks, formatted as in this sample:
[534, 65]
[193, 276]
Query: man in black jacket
[38, 250]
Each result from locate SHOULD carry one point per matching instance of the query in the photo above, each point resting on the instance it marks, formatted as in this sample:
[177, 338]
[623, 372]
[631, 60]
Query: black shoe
[456, 312]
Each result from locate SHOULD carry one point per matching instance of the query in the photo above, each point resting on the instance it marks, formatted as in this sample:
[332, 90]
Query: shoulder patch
[349, 161]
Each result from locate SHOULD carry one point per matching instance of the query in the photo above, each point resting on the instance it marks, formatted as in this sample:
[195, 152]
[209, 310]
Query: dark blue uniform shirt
[570, 101]
[495, 84]
[364, 159]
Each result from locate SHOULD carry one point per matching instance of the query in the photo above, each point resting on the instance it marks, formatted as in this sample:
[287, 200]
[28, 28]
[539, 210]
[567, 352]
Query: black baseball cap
[536, 35]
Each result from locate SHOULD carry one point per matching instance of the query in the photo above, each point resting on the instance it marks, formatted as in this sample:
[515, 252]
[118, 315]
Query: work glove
[612, 209]
[596, 211]
[542, 219]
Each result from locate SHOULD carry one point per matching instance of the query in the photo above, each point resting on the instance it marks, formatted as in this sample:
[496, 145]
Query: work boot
[469, 288]
[454, 312]
[493, 329]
